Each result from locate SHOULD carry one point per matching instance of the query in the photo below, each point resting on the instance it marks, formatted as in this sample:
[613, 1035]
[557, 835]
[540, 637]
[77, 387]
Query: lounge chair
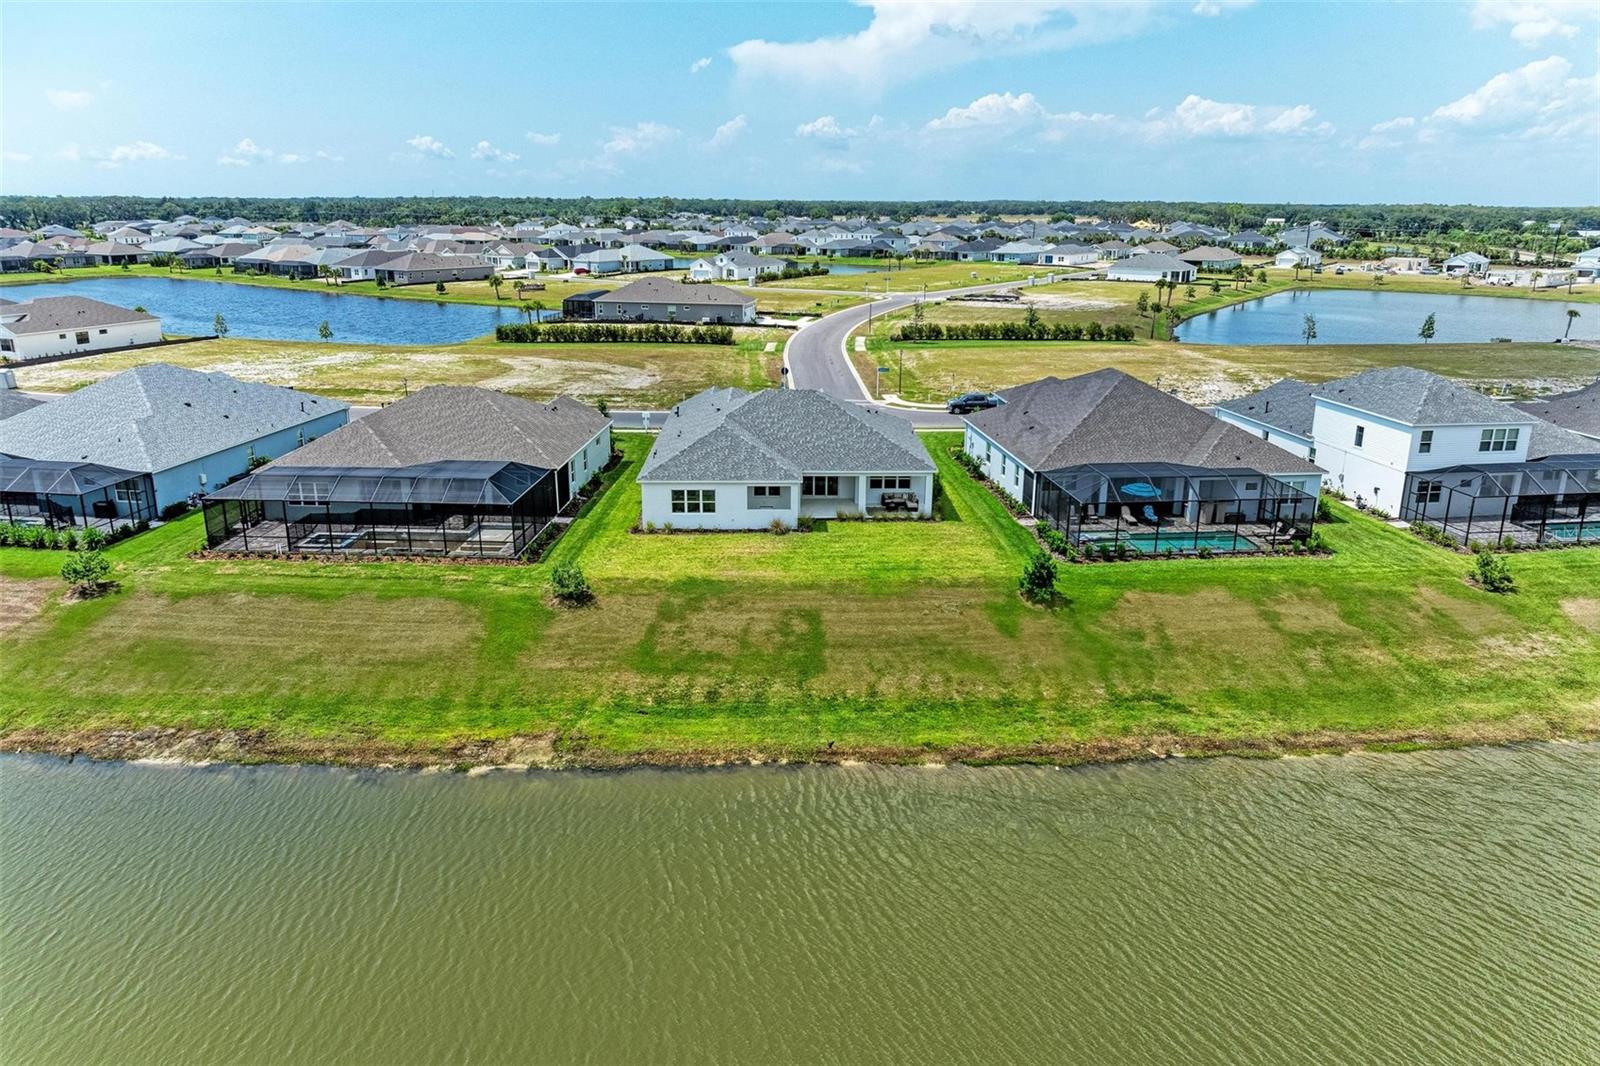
[1150, 515]
[1127, 517]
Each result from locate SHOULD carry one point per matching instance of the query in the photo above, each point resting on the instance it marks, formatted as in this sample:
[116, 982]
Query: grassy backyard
[886, 640]
[911, 275]
[625, 375]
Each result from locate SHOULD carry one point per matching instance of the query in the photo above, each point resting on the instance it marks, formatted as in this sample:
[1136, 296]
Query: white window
[130, 493]
[1429, 491]
[1498, 440]
[1425, 442]
[1361, 435]
[694, 501]
[307, 490]
[770, 491]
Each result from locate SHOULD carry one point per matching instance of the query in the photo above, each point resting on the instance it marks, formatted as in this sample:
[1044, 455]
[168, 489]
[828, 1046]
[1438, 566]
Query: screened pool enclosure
[1551, 501]
[456, 509]
[1155, 508]
[58, 494]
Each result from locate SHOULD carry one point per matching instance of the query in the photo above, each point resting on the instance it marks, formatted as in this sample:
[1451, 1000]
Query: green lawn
[625, 375]
[879, 639]
[912, 275]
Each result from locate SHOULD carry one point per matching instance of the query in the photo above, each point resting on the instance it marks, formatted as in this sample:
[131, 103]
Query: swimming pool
[1150, 544]
[1569, 530]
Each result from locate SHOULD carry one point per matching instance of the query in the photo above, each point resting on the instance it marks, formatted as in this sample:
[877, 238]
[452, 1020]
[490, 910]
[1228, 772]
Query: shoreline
[204, 747]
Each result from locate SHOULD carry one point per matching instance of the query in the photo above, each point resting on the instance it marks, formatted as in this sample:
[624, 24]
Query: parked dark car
[969, 402]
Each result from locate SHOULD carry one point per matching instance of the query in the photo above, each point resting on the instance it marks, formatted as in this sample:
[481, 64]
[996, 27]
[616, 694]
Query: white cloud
[133, 152]
[544, 140]
[485, 150]
[1536, 100]
[826, 128]
[425, 145]
[248, 152]
[1005, 113]
[699, 64]
[15, 157]
[1213, 8]
[729, 131]
[910, 38]
[329, 156]
[1197, 116]
[640, 137]
[1533, 22]
[1388, 133]
[69, 99]
[68, 153]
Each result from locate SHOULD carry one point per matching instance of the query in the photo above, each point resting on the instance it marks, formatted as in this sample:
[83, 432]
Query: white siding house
[62, 325]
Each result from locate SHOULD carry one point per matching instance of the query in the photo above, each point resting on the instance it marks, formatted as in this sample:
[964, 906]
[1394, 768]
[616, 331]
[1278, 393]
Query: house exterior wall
[463, 272]
[734, 506]
[1390, 449]
[99, 338]
[588, 460]
[998, 465]
[176, 484]
[1127, 270]
[1289, 442]
[687, 313]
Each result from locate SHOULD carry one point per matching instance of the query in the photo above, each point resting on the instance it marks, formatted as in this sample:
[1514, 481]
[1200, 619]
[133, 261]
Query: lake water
[189, 307]
[1358, 316]
[1440, 908]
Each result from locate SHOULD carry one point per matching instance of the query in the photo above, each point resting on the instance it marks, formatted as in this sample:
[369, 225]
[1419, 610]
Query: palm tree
[527, 311]
[1572, 313]
[495, 281]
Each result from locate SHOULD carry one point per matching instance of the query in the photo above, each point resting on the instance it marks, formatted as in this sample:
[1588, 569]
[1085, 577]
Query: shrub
[1054, 539]
[93, 539]
[174, 510]
[1038, 581]
[805, 523]
[569, 586]
[86, 572]
[1492, 572]
[1027, 330]
[610, 333]
[1205, 551]
[849, 515]
[1433, 534]
[779, 527]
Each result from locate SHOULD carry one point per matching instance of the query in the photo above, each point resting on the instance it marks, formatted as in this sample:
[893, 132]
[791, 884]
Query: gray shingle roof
[1578, 411]
[457, 422]
[1419, 398]
[780, 435]
[156, 417]
[13, 402]
[665, 290]
[1546, 439]
[1152, 261]
[1107, 416]
[1285, 405]
[53, 314]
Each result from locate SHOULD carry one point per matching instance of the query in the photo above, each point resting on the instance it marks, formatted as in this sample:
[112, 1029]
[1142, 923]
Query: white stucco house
[730, 459]
[1151, 266]
[1290, 258]
[61, 325]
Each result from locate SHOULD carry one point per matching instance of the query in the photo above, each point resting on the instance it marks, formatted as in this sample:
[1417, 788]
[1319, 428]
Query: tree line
[1375, 220]
[610, 333]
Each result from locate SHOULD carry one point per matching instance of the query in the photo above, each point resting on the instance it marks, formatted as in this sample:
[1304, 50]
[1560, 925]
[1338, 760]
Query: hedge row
[611, 333]
[1013, 331]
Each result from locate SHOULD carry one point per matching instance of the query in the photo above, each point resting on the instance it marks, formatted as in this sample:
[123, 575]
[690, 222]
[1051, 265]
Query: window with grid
[1429, 491]
[694, 501]
[1498, 440]
[1425, 442]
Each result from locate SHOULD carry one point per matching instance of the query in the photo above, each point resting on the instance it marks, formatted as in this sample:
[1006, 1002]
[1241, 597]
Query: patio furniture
[898, 501]
[1127, 516]
[1150, 515]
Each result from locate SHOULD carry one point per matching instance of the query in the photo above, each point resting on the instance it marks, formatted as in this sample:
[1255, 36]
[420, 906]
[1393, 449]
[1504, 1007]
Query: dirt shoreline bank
[251, 747]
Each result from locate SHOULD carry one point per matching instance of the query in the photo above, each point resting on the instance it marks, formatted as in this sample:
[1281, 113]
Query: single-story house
[424, 268]
[1290, 258]
[580, 305]
[1103, 456]
[1070, 255]
[629, 258]
[1025, 252]
[737, 266]
[363, 265]
[114, 253]
[731, 459]
[978, 250]
[1247, 239]
[282, 258]
[1587, 264]
[1151, 266]
[59, 325]
[455, 471]
[1466, 263]
[1405, 264]
[659, 299]
[1210, 258]
[1115, 249]
[189, 431]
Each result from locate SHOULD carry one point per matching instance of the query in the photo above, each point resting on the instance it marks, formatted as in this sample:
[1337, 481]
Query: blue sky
[1494, 101]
